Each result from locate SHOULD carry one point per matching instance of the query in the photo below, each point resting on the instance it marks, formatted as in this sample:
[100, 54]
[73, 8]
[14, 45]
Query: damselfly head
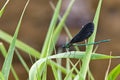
[67, 45]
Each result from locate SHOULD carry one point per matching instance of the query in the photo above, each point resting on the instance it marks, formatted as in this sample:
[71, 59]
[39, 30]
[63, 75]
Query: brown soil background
[36, 22]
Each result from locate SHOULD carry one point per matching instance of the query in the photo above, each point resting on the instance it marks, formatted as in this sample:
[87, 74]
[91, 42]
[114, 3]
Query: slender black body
[84, 33]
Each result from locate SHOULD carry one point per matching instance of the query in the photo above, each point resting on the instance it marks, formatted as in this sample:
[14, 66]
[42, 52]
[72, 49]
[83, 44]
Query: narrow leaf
[114, 73]
[51, 28]
[4, 53]
[3, 8]
[19, 44]
[9, 57]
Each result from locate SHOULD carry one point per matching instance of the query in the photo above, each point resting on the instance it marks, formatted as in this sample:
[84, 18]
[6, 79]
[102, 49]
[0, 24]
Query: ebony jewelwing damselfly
[84, 33]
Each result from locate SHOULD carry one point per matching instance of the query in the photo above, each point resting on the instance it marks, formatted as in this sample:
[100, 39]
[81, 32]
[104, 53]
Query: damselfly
[84, 33]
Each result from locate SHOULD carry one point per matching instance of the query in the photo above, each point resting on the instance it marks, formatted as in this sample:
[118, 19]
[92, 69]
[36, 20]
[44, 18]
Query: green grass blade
[55, 72]
[60, 25]
[33, 71]
[89, 49]
[65, 26]
[59, 62]
[44, 77]
[90, 75]
[14, 73]
[9, 57]
[80, 55]
[22, 46]
[22, 61]
[47, 45]
[3, 8]
[114, 73]
[68, 76]
[51, 28]
[1, 76]
[1, 12]
[45, 49]
[3, 50]
[4, 53]
[42, 67]
[62, 69]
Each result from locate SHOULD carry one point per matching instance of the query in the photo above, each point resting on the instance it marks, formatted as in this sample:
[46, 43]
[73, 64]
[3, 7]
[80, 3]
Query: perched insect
[84, 33]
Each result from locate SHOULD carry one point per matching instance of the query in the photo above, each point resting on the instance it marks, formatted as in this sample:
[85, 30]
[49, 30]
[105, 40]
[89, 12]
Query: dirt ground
[36, 22]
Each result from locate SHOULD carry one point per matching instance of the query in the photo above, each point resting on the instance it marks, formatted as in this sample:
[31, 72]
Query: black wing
[85, 33]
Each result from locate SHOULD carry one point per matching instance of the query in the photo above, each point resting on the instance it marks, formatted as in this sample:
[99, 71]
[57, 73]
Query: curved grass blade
[72, 54]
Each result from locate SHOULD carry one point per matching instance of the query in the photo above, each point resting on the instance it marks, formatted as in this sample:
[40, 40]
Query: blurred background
[36, 21]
